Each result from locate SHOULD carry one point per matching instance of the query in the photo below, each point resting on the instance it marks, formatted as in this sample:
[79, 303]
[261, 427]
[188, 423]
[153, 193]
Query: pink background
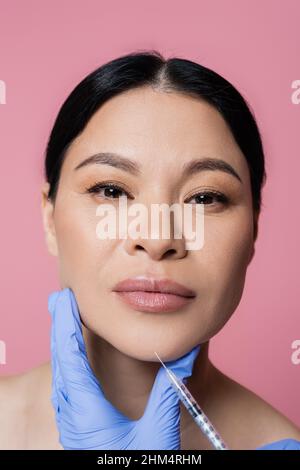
[46, 48]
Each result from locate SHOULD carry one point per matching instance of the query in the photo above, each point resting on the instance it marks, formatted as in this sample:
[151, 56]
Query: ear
[47, 207]
[255, 232]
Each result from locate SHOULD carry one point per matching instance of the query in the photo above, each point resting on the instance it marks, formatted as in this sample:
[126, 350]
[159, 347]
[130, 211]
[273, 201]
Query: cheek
[224, 259]
[81, 255]
[228, 243]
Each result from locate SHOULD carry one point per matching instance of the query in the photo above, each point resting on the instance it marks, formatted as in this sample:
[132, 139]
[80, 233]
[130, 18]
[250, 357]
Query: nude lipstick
[153, 295]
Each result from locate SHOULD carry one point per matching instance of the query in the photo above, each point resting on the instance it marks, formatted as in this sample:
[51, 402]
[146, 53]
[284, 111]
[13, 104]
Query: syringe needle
[194, 409]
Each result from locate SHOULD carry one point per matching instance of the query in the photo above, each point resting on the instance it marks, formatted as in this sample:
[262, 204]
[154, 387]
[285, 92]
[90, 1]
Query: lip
[153, 295]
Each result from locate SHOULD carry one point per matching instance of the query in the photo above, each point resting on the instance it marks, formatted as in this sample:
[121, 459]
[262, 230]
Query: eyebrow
[126, 164]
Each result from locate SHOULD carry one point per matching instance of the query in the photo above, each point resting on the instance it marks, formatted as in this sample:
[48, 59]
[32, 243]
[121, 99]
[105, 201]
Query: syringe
[194, 409]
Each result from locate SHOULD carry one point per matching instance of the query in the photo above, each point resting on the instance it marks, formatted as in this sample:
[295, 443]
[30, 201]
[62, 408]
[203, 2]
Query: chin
[144, 349]
[139, 335]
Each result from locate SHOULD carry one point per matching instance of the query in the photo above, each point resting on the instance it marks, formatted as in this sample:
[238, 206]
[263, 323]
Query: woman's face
[161, 132]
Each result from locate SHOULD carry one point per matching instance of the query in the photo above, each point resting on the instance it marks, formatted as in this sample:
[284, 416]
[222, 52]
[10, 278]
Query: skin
[162, 132]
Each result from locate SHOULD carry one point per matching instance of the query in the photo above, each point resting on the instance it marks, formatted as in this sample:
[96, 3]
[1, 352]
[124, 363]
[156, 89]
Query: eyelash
[96, 187]
[221, 198]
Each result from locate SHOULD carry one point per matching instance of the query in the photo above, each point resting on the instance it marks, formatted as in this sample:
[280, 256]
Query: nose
[157, 248]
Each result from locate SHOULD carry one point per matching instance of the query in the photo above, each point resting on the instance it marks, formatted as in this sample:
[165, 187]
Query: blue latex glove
[284, 444]
[84, 417]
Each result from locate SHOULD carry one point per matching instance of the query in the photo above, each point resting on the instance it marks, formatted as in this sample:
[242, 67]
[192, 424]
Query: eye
[208, 198]
[108, 191]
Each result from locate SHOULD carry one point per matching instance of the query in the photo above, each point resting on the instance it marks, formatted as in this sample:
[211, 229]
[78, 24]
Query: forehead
[158, 128]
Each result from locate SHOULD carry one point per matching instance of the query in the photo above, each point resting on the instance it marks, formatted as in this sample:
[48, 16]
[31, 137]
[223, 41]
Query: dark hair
[174, 74]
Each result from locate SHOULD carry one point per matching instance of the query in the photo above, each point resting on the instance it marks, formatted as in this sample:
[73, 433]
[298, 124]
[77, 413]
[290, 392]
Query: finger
[163, 400]
[56, 381]
[74, 376]
[284, 444]
[183, 366]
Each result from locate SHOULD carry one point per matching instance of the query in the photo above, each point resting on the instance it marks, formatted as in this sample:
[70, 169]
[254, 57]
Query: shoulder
[12, 410]
[26, 413]
[251, 421]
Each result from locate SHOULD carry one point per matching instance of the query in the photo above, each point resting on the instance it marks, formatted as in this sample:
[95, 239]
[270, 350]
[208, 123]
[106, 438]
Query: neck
[127, 382]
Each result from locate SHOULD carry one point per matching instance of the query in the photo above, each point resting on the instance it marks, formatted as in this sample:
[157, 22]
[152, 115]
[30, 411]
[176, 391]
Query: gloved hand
[84, 417]
[284, 444]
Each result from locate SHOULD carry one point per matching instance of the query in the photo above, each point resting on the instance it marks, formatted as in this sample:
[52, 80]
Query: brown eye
[108, 191]
[209, 198]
